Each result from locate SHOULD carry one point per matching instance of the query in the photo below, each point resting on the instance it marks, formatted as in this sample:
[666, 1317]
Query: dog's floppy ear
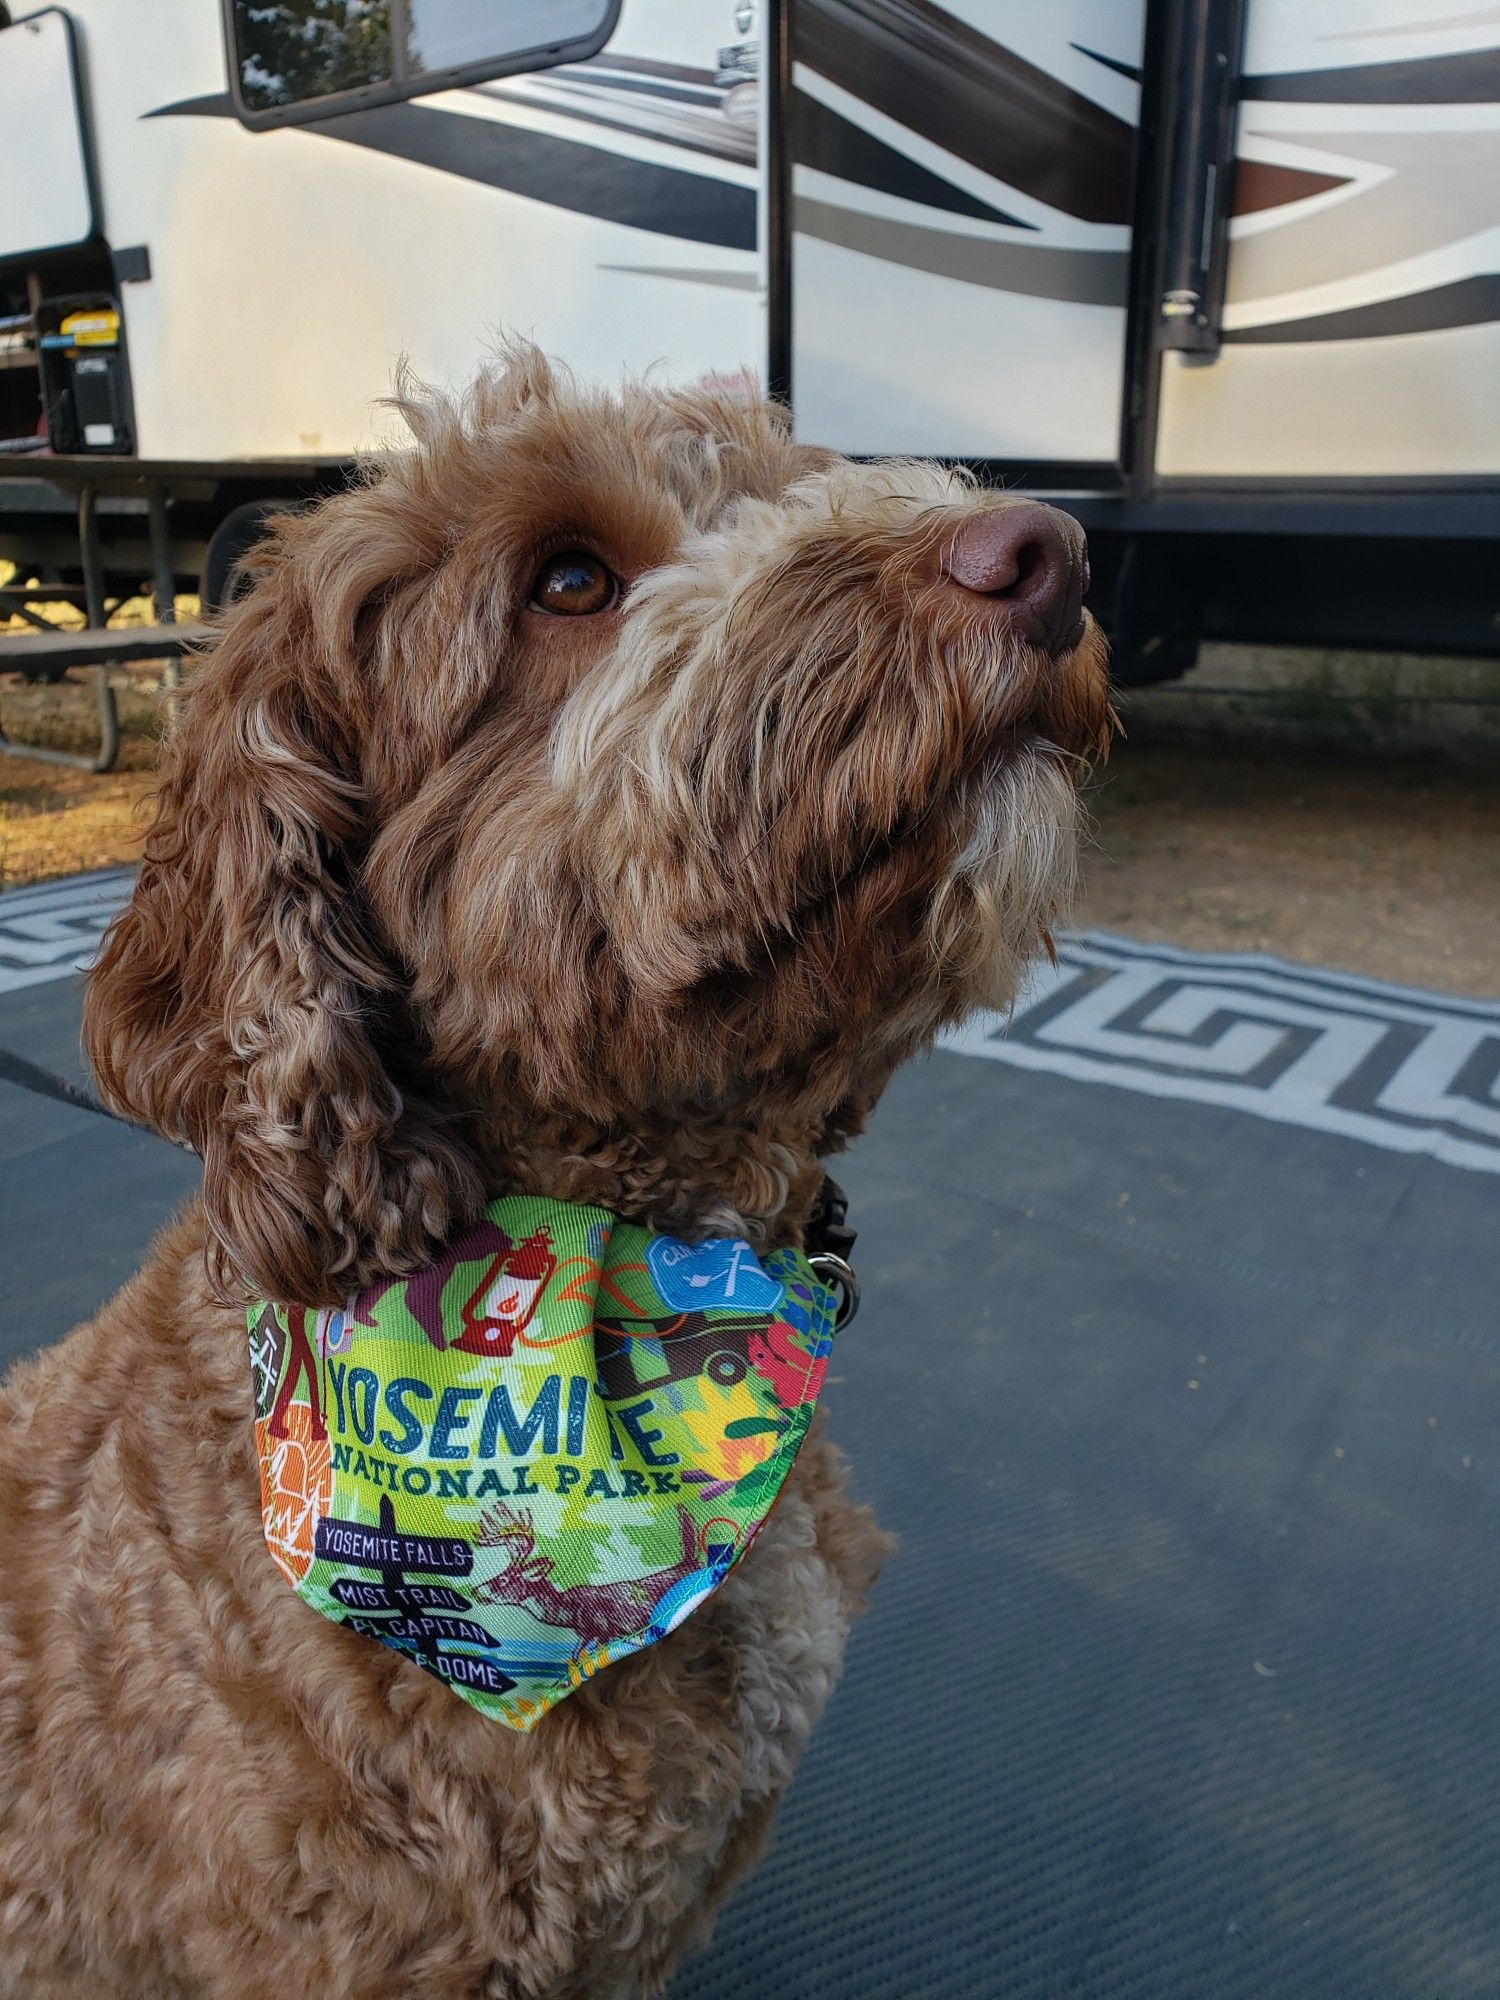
[241, 1000]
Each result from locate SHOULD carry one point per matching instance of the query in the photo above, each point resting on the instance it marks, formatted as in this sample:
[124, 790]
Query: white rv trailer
[1222, 276]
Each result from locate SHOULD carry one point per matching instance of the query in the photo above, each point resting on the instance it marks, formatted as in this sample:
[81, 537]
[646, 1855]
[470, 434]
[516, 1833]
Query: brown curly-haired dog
[599, 801]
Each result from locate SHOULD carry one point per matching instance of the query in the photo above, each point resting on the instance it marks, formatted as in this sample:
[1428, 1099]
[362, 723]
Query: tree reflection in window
[294, 49]
[291, 52]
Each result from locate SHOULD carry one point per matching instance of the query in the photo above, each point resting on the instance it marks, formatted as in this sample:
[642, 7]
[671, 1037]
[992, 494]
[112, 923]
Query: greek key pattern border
[1406, 1070]
[1396, 1067]
[53, 930]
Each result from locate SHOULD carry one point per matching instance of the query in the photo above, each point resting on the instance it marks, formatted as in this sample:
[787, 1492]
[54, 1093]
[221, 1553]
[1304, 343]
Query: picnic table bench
[48, 651]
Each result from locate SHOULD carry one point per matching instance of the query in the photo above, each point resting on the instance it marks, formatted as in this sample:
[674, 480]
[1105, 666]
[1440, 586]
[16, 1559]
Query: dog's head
[602, 768]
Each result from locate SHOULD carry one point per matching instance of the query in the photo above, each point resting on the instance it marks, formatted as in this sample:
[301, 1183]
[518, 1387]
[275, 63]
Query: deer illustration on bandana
[540, 1453]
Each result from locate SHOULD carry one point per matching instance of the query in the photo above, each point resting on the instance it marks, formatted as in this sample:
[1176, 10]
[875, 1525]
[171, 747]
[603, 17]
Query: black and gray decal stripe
[609, 187]
[1039, 270]
[1130, 71]
[581, 78]
[638, 66]
[1472, 77]
[725, 281]
[1465, 302]
[564, 173]
[942, 79]
[694, 130]
[832, 144]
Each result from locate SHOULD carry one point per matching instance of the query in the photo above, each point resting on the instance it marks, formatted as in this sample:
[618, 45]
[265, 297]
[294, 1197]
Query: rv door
[959, 186]
[1361, 325]
[47, 202]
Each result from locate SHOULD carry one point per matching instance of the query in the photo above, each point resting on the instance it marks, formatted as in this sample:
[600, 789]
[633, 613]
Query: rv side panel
[961, 224]
[1361, 329]
[607, 209]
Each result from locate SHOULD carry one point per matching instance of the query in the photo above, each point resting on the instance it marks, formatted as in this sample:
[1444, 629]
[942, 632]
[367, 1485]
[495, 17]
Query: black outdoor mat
[1173, 1692]
[1184, 1683]
[80, 1196]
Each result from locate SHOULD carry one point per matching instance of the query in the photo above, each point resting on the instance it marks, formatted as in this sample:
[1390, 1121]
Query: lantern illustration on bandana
[502, 1304]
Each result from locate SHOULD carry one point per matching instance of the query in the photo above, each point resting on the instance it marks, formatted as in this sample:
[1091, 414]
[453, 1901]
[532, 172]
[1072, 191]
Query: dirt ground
[1375, 863]
[1347, 857]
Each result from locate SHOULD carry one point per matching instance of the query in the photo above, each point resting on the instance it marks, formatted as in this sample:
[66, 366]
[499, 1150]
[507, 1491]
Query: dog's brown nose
[1031, 558]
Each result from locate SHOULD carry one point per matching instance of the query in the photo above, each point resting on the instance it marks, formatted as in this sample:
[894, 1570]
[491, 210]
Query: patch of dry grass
[56, 821]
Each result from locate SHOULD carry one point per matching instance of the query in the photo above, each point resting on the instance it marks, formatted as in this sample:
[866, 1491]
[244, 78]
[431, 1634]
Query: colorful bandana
[542, 1452]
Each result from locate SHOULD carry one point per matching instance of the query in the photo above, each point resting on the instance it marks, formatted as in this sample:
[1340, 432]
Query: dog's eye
[575, 584]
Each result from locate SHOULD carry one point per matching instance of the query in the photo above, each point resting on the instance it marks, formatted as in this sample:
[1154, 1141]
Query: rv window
[49, 196]
[300, 59]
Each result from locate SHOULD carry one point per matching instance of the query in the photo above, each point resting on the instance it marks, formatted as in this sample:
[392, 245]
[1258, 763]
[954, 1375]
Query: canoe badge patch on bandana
[541, 1452]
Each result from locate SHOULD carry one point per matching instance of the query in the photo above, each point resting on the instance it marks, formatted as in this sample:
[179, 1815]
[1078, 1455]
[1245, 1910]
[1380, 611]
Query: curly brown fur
[447, 895]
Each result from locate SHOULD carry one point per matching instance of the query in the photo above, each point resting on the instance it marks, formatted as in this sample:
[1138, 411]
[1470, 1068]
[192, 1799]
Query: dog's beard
[1013, 733]
[1013, 878]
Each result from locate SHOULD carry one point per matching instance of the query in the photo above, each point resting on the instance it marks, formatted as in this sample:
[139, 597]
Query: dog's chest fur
[241, 1798]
